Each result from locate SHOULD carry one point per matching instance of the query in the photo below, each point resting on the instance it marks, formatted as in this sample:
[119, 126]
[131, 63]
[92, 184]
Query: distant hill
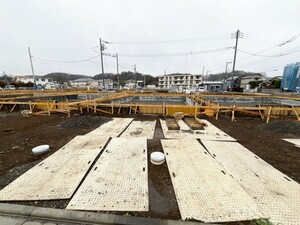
[64, 77]
[221, 76]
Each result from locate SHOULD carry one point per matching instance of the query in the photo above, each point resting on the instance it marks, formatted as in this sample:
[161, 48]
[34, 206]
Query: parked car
[189, 91]
[9, 87]
[38, 87]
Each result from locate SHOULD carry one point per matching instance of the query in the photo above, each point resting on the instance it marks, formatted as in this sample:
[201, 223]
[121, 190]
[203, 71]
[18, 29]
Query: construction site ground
[19, 135]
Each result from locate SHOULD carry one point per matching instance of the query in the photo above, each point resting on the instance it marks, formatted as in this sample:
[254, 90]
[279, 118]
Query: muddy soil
[19, 135]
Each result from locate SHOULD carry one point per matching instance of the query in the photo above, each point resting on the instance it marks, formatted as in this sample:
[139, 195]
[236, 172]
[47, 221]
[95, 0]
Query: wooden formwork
[106, 105]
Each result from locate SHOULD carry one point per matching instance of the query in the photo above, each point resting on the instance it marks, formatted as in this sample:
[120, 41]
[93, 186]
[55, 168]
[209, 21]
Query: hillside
[64, 77]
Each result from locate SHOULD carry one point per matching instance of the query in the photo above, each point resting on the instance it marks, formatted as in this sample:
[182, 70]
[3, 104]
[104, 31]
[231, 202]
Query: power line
[255, 54]
[272, 56]
[57, 61]
[208, 38]
[69, 48]
[174, 54]
[258, 38]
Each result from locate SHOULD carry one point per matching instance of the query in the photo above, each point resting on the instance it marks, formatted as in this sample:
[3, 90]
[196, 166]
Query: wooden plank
[58, 176]
[112, 128]
[140, 129]
[276, 194]
[203, 189]
[210, 132]
[119, 179]
[295, 141]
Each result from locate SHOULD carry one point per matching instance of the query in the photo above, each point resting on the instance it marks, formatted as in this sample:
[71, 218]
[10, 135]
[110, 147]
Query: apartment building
[186, 81]
[40, 80]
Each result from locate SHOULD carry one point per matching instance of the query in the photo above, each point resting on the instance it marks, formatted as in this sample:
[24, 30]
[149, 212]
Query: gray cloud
[68, 30]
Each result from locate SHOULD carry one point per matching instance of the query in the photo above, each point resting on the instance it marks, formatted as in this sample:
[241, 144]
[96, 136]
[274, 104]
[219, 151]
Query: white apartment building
[85, 82]
[186, 81]
[91, 83]
[40, 80]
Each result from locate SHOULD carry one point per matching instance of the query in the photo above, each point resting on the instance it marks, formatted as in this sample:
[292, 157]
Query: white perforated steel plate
[204, 190]
[140, 129]
[119, 179]
[112, 128]
[276, 194]
[58, 176]
[210, 132]
[296, 142]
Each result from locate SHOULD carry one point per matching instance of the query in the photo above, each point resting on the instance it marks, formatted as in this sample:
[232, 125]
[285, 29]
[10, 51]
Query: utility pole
[30, 57]
[117, 57]
[237, 36]
[144, 81]
[135, 76]
[102, 68]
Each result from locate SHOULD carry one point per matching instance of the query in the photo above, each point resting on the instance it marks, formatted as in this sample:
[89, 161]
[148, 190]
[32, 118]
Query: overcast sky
[148, 33]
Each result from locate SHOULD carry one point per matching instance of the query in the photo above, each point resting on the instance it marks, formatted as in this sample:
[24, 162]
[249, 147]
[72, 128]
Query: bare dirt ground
[19, 135]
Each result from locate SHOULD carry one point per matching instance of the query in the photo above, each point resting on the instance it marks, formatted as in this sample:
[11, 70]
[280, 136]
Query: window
[43, 79]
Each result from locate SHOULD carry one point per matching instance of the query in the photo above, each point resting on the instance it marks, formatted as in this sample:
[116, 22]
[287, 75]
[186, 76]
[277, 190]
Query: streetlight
[226, 73]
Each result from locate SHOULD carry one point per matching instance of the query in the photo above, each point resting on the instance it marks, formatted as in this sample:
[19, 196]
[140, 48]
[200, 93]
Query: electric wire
[57, 61]
[175, 54]
[209, 38]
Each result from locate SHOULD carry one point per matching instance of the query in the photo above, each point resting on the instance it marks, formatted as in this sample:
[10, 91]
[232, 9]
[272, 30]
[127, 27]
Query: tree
[277, 83]
[29, 84]
[254, 84]
[2, 84]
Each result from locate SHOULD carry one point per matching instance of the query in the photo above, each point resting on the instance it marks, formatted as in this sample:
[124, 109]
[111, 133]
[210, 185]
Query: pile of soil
[281, 126]
[84, 121]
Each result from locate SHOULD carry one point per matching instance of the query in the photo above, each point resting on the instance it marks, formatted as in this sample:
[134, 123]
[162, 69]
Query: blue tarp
[290, 78]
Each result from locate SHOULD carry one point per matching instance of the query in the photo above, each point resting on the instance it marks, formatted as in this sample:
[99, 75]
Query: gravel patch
[85, 121]
[282, 126]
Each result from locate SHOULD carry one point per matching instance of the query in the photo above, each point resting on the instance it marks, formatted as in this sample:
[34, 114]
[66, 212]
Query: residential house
[84, 83]
[47, 83]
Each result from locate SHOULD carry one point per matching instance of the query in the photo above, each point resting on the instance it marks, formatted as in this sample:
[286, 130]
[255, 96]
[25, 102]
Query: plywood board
[119, 179]
[58, 176]
[203, 188]
[140, 129]
[294, 141]
[276, 194]
[210, 132]
[112, 128]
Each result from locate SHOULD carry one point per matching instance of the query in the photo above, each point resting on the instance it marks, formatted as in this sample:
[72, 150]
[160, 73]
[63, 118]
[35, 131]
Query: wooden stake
[269, 113]
[95, 107]
[232, 114]
[13, 108]
[217, 114]
[296, 113]
[48, 109]
[261, 114]
[87, 105]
